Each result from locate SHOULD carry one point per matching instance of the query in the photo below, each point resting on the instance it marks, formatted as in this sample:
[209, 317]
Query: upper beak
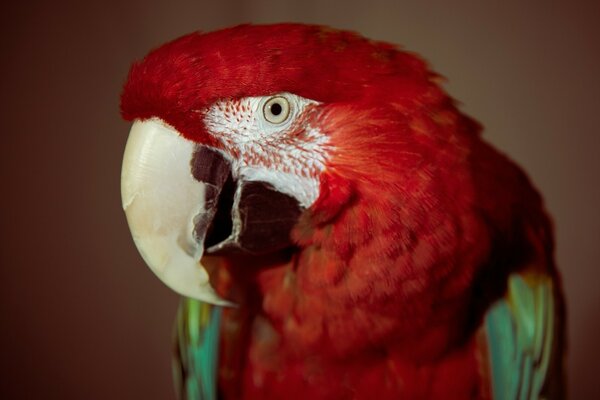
[179, 197]
[162, 200]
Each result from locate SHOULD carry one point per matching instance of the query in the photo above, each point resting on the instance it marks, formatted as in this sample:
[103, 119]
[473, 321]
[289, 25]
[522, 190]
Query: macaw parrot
[337, 227]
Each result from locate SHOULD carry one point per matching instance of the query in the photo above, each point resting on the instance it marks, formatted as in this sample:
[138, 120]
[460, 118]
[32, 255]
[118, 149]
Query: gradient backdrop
[81, 316]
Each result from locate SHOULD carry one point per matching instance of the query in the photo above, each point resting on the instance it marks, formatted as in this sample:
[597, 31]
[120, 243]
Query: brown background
[82, 318]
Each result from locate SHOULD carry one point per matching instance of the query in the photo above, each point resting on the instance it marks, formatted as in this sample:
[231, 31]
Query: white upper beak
[162, 201]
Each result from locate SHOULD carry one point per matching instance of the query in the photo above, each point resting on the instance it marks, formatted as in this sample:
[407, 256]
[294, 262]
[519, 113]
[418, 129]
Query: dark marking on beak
[241, 216]
[211, 168]
[221, 226]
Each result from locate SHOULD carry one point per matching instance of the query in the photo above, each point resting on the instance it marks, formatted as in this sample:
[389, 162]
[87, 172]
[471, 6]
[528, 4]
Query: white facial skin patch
[271, 139]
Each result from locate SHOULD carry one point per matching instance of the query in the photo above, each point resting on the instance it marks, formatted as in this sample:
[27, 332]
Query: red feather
[181, 78]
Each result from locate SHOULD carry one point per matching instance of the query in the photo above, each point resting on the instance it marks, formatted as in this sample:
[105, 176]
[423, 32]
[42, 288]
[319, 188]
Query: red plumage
[417, 226]
[311, 61]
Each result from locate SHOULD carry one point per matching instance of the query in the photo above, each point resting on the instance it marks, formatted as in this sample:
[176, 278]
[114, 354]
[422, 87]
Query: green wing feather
[196, 350]
[522, 334]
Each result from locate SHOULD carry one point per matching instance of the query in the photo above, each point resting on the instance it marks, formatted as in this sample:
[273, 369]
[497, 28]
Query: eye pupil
[276, 109]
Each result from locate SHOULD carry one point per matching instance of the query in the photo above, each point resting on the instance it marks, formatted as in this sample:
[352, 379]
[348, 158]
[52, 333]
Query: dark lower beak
[250, 216]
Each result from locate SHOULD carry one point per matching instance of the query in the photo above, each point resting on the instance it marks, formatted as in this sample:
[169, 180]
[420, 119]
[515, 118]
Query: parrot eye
[276, 110]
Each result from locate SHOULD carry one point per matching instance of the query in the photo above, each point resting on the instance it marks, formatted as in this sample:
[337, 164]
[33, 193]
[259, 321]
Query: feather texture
[521, 331]
[196, 350]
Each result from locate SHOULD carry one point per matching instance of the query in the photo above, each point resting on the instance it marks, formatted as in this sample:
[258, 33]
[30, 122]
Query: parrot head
[232, 138]
[255, 140]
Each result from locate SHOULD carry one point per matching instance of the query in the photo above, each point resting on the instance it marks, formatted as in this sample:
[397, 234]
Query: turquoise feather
[520, 334]
[196, 350]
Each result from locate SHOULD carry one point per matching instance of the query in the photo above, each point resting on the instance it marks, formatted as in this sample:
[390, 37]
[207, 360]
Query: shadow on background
[83, 318]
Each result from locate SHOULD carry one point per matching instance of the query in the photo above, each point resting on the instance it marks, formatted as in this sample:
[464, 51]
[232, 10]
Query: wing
[196, 350]
[524, 337]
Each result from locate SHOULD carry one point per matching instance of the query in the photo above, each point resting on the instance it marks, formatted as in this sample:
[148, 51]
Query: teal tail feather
[196, 350]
